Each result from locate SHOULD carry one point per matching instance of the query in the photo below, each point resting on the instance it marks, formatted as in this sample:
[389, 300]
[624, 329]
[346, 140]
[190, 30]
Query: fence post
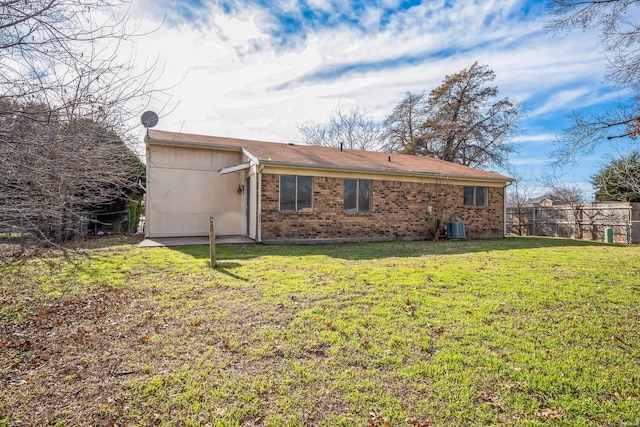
[628, 231]
[212, 241]
[22, 243]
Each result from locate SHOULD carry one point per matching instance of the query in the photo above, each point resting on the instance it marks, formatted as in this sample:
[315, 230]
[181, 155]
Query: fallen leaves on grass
[63, 343]
[414, 422]
[22, 345]
[437, 329]
[41, 315]
[490, 400]
[549, 413]
[377, 420]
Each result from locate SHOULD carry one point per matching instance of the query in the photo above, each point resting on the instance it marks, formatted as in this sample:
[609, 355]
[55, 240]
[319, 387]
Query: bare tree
[59, 174]
[65, 98]
[588, 130]
[403, 127]
[571, 196]
[518, 196]
[347, 127]
[617, 23]
[62, 56]
[463, 123]
[619, 32]
[564, 194]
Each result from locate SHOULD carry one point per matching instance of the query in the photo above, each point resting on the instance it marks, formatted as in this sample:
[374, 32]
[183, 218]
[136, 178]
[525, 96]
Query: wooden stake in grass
[212, 241]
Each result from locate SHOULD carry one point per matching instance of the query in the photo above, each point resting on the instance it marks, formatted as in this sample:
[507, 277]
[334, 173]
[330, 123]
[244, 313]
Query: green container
[608, 235]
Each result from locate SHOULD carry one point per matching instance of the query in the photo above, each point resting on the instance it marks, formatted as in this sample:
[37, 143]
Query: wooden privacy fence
[588, 221]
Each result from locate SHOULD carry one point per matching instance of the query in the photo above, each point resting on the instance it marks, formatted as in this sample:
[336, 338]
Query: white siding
[185, 189]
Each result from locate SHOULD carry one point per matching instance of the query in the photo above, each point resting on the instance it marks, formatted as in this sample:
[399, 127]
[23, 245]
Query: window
[357, 195]
[475, 196]
[296, 193]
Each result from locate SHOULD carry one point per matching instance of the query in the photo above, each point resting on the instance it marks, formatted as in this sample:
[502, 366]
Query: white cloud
[575, 98]
[537, 138]
[562, 99]
[228, 68]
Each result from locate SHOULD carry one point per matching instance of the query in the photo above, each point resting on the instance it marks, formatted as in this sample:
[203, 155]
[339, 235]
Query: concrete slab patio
[186, 241]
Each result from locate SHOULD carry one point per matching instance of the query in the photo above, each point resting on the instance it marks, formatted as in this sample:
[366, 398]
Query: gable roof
[325, 157]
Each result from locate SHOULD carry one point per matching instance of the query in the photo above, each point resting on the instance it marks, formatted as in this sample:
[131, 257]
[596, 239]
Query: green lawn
[517, 331]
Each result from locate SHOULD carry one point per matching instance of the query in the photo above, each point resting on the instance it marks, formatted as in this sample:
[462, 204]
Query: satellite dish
[149, 119]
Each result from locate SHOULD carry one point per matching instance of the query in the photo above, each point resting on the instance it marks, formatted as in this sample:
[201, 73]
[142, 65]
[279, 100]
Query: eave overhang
[382, 171]
[267, 163]
[154, 141]
[234, 168]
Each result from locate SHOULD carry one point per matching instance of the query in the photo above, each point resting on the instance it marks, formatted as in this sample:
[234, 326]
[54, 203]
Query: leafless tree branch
[67, 93]
[347, 127]
[616, 22]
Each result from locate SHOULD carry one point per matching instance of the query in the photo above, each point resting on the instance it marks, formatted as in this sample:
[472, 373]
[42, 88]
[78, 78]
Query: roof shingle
[326, 157]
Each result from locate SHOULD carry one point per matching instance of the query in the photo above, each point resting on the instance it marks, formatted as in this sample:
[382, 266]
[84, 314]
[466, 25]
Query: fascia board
[250, 156]
[234, 168]
[194, 145]
[384, 171]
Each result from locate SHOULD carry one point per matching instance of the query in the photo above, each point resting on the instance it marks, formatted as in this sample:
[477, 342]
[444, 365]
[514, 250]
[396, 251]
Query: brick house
[275, 192]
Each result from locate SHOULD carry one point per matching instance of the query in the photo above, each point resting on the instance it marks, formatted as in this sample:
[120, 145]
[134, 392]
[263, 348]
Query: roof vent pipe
[389, 158]
[341, 146]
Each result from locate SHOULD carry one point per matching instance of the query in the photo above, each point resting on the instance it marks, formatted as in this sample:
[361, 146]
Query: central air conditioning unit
[455, 230]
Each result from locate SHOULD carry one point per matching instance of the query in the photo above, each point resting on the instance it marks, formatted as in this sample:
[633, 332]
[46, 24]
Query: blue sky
[258, 68]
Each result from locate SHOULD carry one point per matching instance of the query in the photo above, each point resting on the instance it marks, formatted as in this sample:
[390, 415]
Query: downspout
[504, 206]
[147, 199]
[259, 203]
[504, 215]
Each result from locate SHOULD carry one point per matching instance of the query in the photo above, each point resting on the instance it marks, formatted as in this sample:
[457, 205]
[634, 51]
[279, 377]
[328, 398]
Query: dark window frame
[298, 204]
[476, 196]
[358, 196]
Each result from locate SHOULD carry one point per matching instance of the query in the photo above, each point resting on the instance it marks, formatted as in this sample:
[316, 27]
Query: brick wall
[401, 210]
